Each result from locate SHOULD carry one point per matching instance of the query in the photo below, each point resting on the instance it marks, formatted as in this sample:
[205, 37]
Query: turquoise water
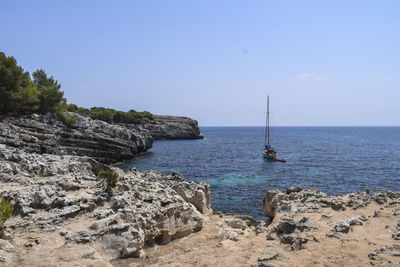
[332, 159]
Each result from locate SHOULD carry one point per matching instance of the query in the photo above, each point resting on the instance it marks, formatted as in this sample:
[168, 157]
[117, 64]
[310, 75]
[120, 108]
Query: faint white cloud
[376, 77]
[308, 77]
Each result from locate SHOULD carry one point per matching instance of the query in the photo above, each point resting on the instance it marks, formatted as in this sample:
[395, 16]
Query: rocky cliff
[93, 138]
[45, 134]
[174, 127]
[63, 213]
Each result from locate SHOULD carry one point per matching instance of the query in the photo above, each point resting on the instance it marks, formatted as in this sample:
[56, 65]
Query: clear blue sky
[321, 62]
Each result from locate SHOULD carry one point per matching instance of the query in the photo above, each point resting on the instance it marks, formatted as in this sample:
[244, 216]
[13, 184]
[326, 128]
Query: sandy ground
[209, 247]
[217, 244]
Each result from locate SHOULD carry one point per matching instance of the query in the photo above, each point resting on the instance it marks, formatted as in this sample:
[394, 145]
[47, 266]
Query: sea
[335, 160]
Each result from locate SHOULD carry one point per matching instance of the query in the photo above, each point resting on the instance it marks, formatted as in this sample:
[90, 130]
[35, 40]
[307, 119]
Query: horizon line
[300, 126]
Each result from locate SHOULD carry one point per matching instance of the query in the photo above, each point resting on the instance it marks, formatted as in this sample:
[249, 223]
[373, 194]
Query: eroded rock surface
[295, 200]
[46, 134]
[60, 198]
[105, 142]
[314, 222]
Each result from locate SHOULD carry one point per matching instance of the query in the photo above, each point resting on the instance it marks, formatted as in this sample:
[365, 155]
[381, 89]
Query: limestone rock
[268, 256]
[6, 246]
[173, 127]
[296, 200]
[343, 226]
[145, 208]
[199, 196]
[105, 142]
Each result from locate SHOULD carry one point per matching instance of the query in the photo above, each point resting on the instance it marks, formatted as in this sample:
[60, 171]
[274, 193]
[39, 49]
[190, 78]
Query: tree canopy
[20, 94]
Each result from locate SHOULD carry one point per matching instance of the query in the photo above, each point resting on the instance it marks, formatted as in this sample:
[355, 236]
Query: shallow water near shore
[331, 159]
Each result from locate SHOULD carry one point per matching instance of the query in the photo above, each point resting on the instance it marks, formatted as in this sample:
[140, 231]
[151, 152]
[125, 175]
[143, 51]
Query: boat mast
[267, 124]
[268, 120]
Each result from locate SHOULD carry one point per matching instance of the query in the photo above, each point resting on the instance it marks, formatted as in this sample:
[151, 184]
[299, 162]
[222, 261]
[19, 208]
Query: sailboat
[269, 151]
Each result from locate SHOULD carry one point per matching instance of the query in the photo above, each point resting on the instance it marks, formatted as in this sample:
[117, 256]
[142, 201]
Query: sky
[323, 63]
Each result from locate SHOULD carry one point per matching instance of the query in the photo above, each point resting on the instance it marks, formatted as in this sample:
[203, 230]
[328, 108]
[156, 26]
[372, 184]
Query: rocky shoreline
[60, 198]
[64, 217]
[173, 127]
[49, 172]
[104, 142]
[303, 227]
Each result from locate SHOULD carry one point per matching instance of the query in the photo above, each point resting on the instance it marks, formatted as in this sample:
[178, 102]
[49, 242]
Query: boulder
[343, 226]
[197, 194]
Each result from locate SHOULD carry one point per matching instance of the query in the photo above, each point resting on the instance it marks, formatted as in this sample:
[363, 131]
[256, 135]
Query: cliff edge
[105, 142]
[174, 127]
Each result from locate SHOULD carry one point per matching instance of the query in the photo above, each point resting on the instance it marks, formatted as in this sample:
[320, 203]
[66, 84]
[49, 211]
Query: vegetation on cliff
[109, 180]
[22, 94]
[115, 116]
[6, 210]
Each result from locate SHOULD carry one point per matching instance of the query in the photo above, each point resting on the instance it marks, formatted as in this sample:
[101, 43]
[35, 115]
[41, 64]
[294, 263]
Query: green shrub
[109, 179]
[103, 114]
[71, 107]
[71, 120]
[21, 94]
[6, 210]
[83, 111]
[114, 116]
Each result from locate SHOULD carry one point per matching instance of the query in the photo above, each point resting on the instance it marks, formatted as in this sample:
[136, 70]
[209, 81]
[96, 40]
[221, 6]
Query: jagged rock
[236, 223]
[295, 242]
[261, 227]
[49, 173]
[6, 246]
[118, 239]
[293, 189]
[179, 223]
[303, 225]
[343, 226]
[83, 237]
[103, 213]
[246, 218]
[145, 208]
[270, 254]
[296, 201]
[286, 225]
[358, 200]
[232, 227]
[122, 245]
[200, 196]
[379, 198]
[6, 236]
[271, 202]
